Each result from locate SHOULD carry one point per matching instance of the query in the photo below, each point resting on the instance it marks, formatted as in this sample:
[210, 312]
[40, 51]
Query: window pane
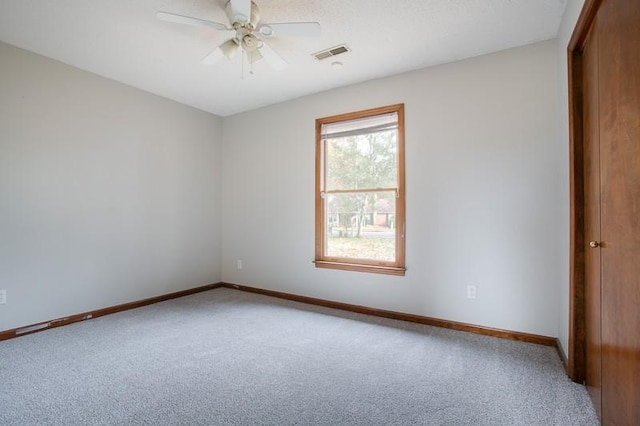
[361, 226]
[362, 162]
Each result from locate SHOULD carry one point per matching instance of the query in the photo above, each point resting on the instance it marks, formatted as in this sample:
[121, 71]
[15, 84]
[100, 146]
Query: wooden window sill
[359, 267]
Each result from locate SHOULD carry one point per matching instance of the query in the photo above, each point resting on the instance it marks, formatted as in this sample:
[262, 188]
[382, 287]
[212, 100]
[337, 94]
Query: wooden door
[618, 25]
[605, 115]
[593, 338]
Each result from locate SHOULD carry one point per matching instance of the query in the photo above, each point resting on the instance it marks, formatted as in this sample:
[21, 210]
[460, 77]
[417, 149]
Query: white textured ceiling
[122, 40]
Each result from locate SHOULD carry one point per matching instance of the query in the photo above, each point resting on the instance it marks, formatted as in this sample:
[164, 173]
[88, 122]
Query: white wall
[482, 193]
[107, 194]
[571, 13]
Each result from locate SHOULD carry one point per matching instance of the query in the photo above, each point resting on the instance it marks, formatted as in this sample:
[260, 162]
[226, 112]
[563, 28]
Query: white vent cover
[327, 53]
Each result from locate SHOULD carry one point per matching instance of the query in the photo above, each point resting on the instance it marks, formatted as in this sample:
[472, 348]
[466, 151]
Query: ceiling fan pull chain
[242, 54]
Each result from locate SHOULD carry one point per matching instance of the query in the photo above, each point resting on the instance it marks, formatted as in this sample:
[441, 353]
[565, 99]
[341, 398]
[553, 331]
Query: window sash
[361, 231]
[360, 126]
[329, 174]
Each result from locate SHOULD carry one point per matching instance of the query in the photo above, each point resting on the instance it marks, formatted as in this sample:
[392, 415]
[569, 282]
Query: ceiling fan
[250, 33]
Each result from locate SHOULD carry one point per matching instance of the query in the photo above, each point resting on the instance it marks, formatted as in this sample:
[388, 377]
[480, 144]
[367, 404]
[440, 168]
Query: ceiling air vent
[327, 53]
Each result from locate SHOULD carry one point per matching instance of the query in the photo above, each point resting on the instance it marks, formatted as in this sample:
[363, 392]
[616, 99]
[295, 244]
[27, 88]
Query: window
[360, 191]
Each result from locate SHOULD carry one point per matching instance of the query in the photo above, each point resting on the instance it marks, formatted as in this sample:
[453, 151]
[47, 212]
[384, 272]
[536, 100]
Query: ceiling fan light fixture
[229, 48]
[250, 43]
[253, 56]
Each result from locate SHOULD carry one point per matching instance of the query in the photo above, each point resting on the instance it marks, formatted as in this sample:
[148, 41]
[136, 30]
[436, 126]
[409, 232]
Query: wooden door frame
[577, 343]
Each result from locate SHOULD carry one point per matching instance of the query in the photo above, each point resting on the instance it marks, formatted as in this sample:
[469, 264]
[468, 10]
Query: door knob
[594, 244]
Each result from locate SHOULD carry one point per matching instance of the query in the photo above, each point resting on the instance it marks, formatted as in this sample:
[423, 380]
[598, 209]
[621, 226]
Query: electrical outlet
[472, 292]
[3, 297]
[239, 264]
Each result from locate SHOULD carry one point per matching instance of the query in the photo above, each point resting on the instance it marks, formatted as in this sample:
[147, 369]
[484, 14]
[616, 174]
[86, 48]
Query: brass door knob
[594, 244]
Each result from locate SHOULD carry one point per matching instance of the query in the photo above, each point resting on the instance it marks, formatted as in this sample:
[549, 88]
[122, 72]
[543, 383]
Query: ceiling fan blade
[273, 58]
[188, 20]
[228, 49]
[240, 11]
[213, 57]
[299, 29]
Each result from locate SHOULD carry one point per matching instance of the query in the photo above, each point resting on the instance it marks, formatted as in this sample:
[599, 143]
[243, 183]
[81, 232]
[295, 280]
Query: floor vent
[327, 53]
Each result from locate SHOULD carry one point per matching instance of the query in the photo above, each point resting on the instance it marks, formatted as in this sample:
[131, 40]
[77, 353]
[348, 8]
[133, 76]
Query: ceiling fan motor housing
[249, 22]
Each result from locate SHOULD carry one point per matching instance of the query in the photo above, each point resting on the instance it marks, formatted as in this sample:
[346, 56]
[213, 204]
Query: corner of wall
[569, 19]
